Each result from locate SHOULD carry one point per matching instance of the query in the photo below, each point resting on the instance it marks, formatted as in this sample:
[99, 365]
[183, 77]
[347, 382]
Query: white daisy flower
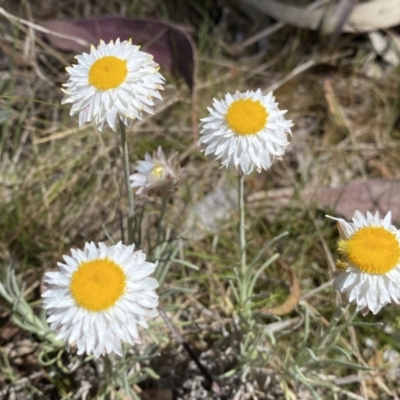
[114, 80]
[99, 296]
[246, 130]
[370, 264]
[156, 174]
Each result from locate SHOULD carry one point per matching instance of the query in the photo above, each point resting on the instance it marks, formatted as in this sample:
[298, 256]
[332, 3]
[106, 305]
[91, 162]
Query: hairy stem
[244, 276]
[161, 221]
[242, 225]
[125, 160]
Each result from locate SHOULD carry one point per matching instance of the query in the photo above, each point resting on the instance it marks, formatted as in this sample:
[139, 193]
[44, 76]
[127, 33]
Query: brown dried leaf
[156, 394]
[292, 300]
[372, 195]
[171, 47]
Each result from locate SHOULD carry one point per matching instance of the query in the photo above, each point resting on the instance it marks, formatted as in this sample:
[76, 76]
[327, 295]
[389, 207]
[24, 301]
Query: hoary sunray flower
[246, 130]
[370, 261]
[114, 80]
[99, 296]
[156, 174]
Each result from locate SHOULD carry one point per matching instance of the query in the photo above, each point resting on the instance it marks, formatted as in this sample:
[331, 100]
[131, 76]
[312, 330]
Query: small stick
[214, 385]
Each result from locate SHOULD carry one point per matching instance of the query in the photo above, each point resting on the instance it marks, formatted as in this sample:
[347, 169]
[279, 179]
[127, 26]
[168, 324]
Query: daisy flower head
[156, 174]
[246, 130]
[99, 296]
[369, 264]
[114, 80]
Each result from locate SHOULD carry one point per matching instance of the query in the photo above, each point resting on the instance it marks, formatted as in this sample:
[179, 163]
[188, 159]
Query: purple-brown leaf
[171, 47]
[66, 28]
[381, 195]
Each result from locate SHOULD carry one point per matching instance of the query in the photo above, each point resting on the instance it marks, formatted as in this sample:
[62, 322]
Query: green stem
[107, 375]
[243, 279]
[125, 160]
[242, 226]
[160, 223]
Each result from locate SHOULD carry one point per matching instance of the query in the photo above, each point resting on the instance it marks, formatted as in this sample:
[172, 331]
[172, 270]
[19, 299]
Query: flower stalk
[243, 277]
[242, 224]
[125, 161]
[161, 221]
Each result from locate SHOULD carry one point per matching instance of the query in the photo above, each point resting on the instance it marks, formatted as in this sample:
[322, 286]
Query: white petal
[245, 152]
[102, 106]
[370, 292]
[103, 331]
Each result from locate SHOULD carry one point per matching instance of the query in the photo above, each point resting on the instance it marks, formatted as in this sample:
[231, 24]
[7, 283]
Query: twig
[182, 341]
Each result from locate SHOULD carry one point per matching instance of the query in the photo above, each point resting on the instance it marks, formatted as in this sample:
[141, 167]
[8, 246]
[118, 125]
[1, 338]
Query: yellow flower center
[97, 284]
[108, 73]
[246, 116]
[374, 250]
[157, 173]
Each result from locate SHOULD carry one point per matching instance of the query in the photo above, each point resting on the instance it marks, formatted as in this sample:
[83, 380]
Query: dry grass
[61, 187]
